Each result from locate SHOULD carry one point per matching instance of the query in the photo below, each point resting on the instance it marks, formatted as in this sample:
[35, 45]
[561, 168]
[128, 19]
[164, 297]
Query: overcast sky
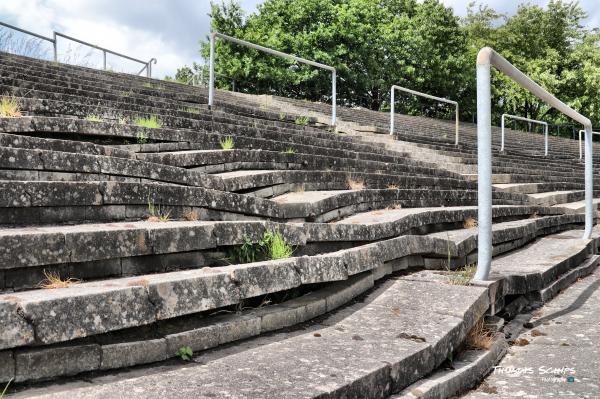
[166, 29]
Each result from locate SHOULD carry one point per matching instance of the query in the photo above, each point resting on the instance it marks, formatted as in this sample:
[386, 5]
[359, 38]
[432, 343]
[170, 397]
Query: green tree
[372, 43]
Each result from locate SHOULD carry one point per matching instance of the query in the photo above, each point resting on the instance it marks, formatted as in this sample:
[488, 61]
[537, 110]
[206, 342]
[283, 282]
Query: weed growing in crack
[141, 137]
[185, 353]
[157, 213]
[271, 246]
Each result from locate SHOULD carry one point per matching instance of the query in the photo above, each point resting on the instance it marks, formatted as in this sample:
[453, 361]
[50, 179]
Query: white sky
[168, 30]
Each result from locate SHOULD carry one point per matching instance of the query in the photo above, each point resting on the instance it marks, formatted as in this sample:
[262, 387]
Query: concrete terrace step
[358, 338]
[388, 324]
[556, 197]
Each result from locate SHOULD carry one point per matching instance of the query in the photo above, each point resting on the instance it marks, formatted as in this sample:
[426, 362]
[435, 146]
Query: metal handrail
[147, 65]
[582, 131]
[26, 32]
[520, 118]
[425, 95]
[215, 35]
[487, 58]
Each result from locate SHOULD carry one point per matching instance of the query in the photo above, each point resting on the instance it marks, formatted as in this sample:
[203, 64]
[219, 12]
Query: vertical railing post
[54, 44]
[333, 97]
[104, 56]
[589, 183]
[502, 135]
[457, 126]
[211, 71]
[484, 169]
[546, 140]
[392, 102]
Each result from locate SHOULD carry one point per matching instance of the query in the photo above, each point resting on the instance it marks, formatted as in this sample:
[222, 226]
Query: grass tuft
[355, 184]
[277, 246]
[227, 143]
[479, 337]
[9, 107]
[141, 137]
[150, 122]
[271, 246]
[462, 276]
[53, 281]
[470, 223]
[289, 150]
[392, 187]
[93, 118]
[157, 213]
[302, 120]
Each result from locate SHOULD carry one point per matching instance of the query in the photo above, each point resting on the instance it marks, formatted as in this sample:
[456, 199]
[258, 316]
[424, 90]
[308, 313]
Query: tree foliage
[419, 44]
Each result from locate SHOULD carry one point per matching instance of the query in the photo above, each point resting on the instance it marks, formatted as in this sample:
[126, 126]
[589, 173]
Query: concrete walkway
[559, 355]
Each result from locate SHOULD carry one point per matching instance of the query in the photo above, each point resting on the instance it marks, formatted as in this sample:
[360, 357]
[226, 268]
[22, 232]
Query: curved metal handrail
[487, 58]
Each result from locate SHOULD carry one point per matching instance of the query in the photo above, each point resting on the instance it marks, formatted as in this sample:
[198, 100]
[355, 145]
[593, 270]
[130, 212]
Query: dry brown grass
[142, 282]
[355, 184]
[9, 107]
[392, 187]
[479, 337]
[470, 223]
[53, 281]
[462, 276]
[191, 216]
[394, 206]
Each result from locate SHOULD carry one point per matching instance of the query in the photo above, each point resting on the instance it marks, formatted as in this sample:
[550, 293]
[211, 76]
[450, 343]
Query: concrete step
[429, 330]
[551, 198]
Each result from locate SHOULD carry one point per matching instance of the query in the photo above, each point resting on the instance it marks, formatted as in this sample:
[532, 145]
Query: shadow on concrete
[581, 299]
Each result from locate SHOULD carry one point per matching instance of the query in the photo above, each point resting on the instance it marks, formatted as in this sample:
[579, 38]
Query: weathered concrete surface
[562, 345]
[373, 348]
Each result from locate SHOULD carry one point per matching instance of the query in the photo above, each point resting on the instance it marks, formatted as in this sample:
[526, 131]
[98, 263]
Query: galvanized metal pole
[457, 126]
[546, 140]
[392, 110]
[589, 183]
[211, 77]
[104, 56]
[484, 168]
[502, 135]
[333, 97]
[55, 48]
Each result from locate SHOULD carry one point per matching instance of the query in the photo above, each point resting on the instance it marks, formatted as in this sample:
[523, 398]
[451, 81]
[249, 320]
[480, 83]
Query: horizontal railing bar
[27, 32]
[274, 52]
[100, 48]
[211, 79]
